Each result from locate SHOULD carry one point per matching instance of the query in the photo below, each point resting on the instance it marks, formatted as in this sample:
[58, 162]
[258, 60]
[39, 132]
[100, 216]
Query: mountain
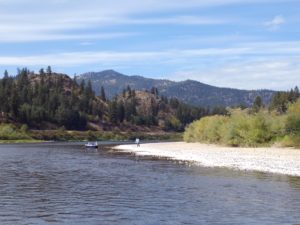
[188, 91]
[50, 101]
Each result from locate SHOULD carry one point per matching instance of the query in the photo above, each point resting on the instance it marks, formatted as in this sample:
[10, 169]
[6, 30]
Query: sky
[245, 44]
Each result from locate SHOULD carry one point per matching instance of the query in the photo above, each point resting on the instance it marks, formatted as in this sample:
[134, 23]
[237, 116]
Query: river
[62, 183]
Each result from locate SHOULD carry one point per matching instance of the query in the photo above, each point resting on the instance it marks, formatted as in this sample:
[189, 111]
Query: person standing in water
[137, 141]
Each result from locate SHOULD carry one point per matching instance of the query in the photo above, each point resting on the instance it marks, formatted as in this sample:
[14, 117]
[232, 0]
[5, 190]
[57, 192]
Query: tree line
[46, 99]
[37, 99]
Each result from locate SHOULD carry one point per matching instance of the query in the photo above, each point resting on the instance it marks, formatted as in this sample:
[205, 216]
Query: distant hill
[50, 100]
[189, 91]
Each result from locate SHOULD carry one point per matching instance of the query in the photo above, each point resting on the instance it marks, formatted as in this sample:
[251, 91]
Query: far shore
[274, 160]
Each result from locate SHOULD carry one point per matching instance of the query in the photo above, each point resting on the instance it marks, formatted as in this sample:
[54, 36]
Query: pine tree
[154, 91]
[42, 72]
[129, 91]
[257, 104]
[113, 112]
[103, 96]
[14, 102]
[296, 91]
[82, 86]
[5, 74]
[49, 70]
[121, 112]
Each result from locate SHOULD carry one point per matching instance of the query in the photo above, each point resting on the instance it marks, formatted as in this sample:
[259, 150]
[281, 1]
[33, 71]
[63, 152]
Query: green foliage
[248, 129]
[172, 123]
[281, 100]
[48, 97]
[102, 94]
[257, 104]
[49, 70]
[240, 128]
[208, 129]
[10, 132]
[64, 135]
[292, 126]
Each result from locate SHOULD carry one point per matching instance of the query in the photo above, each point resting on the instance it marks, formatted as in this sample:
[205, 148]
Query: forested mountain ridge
[50, 100]
[189, 91]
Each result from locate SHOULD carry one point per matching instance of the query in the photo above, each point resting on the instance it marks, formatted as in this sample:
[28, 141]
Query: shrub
[10, 132]
[240, 128]
[207, 129]
[292, 125]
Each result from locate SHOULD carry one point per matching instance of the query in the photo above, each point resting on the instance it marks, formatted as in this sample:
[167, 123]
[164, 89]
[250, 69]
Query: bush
[10, 132]
[173, 124]
[208, 129]
[240, 128]
[292, 125]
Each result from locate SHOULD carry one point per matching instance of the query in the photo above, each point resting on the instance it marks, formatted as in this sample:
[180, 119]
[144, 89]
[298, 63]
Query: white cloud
[253, 50]
[53, 36]
[109, 57]
[36, 19]
[272, 65]
[276, 74]
[275, 23]
[178, 20]
[260, 65]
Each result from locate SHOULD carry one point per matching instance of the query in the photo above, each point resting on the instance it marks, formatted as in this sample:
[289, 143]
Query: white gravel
[273, 160]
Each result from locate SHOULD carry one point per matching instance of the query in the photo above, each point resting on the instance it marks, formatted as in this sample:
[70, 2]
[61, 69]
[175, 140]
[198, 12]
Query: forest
[48, 100]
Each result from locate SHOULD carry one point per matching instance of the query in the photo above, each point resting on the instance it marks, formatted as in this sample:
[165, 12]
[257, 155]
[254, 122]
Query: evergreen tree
[82, 86]
[14, 102]
[257, 104]
[49, 70]
[154, 91]
[42, 72]
[121, 112]
[89, 90]
[103, 96]
[113, 112]
[124, 93]
[296, 93]
[5, 74]
[129, 91]
[280, 101]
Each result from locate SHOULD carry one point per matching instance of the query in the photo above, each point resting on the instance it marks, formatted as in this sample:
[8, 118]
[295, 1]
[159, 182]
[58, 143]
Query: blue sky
[248, 44]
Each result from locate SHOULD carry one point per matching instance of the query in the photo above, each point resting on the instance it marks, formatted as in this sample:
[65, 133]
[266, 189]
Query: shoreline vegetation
[250, 127]
[10, 133]
[267, 159]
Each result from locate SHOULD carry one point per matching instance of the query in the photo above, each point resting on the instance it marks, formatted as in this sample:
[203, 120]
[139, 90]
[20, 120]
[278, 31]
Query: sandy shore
[274, 160]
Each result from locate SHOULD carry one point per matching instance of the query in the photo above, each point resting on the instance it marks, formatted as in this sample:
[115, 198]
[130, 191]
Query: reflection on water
[62, 183]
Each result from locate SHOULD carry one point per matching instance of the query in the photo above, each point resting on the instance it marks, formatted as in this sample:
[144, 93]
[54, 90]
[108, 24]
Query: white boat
[91, 145]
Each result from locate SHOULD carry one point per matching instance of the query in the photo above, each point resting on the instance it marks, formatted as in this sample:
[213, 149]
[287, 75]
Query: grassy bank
[10, 133]
[20, 141]
[65, 135]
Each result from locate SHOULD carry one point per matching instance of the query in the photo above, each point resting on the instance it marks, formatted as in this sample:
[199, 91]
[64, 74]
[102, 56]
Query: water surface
[62, 183]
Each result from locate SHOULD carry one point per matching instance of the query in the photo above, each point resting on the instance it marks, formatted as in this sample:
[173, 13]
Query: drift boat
[91, 145]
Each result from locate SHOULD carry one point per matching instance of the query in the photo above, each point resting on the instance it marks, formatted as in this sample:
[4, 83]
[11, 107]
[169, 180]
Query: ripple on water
[62, 184]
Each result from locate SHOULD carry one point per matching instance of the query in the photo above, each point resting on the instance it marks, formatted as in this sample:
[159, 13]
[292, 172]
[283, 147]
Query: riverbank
[21, 141]
[273, 160]
[13, 135]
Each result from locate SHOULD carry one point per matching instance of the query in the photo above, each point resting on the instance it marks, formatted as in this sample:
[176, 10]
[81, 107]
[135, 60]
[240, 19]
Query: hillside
[51, 101]
[189, 91]
[48, 101]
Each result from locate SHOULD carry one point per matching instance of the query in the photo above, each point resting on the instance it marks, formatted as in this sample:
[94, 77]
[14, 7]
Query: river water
[62, 183]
